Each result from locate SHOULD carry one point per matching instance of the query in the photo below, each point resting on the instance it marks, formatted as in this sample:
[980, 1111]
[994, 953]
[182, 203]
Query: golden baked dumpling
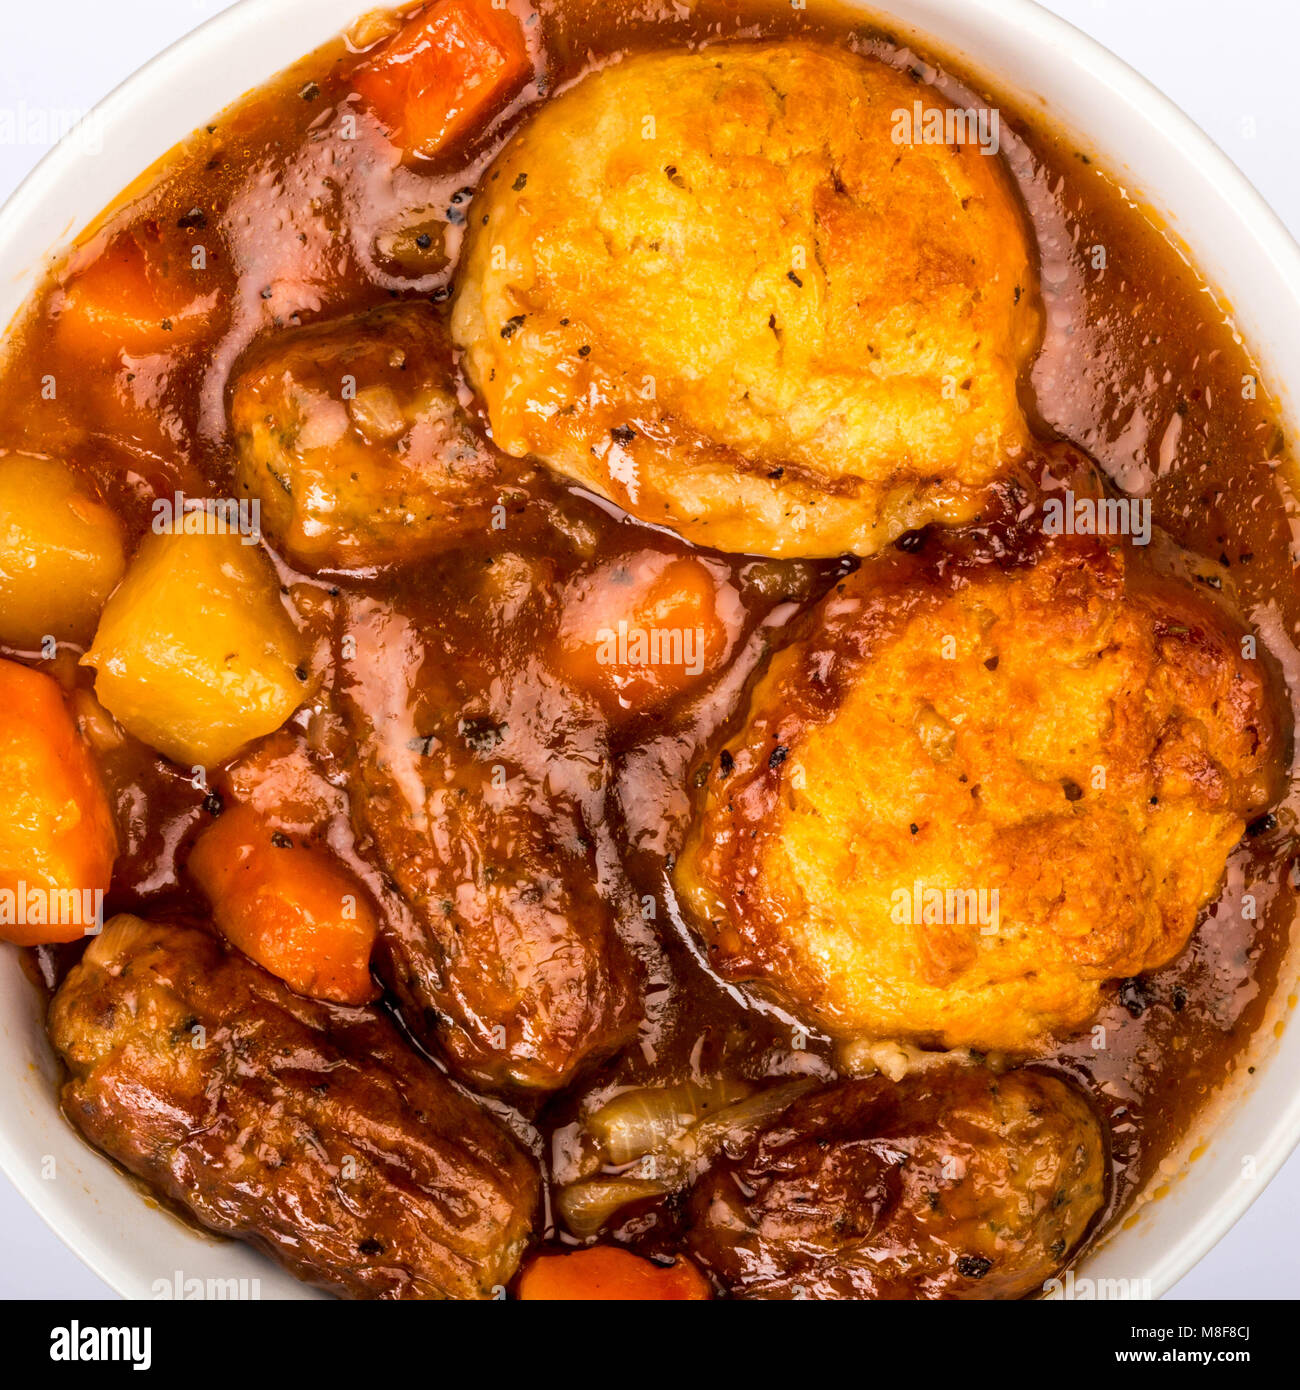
[975, 789]
[713, 287]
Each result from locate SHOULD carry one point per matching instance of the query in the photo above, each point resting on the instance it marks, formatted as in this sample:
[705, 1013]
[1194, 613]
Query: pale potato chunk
[196, 654]
[60, 553]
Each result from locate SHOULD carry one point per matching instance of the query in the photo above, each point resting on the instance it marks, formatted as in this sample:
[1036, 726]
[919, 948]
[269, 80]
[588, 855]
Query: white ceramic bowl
[1136, 133]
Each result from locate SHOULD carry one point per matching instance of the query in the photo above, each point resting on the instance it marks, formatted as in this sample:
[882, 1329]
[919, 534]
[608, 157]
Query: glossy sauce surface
[1140, 367]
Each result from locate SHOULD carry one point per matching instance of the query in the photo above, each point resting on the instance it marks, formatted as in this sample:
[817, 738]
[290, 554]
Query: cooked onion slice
[645, 1120]
[586, 1207]
[730, 1128]
[674, 1131]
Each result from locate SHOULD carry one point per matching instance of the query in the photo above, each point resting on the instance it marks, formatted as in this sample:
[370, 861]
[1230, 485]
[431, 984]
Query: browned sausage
[485, 805]
[311, 1130]
[950, 1185]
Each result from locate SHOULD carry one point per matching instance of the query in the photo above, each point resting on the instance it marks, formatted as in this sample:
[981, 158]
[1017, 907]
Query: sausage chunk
[349, 435]
[484, 802]
[308, 1129]
[950, 1185]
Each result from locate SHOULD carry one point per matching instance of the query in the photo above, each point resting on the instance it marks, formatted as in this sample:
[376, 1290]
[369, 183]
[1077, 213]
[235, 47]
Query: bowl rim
[1055, 35]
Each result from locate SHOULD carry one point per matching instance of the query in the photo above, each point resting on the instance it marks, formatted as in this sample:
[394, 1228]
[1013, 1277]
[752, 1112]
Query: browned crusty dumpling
[714, 288]
[982, 783]
[955, 1184]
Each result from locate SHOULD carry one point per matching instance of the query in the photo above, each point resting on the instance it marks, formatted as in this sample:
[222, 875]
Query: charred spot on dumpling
[730, 298]
[919, 842]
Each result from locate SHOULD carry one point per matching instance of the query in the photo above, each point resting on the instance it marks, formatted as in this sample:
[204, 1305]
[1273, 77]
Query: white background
[1220, 60]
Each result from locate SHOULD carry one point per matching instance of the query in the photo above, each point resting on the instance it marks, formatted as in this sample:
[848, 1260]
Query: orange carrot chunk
[605, 1273]
[439, 76]
[57, 837]
[640, 630]
[292, 909]
[134, 300]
